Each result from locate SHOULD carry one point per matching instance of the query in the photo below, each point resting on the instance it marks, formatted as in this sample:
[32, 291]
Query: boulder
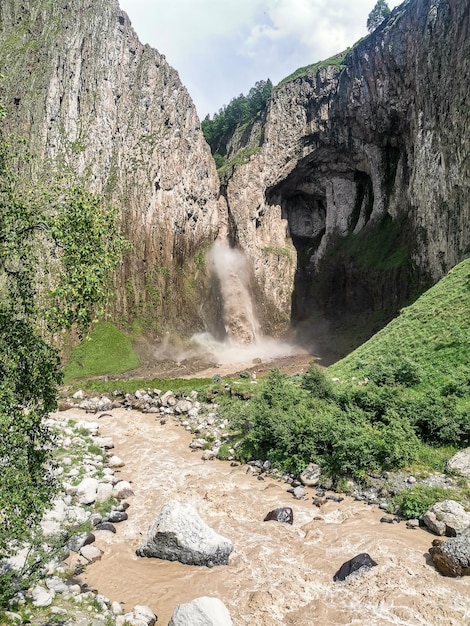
[283, 514]
[91, 553]
[203, 611]
[359, 562]
[104, 492]
[86, 491]
[122, 489]
[447, 518]
[140, 615]
[452, 557]
[460, 463]
[42, 597]
[311, 475]
[179, 534]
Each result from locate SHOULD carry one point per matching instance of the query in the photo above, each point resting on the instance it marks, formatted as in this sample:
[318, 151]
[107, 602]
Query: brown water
[277, 574]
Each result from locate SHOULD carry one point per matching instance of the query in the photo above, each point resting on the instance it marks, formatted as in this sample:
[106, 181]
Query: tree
[378, 14]
[63, 220]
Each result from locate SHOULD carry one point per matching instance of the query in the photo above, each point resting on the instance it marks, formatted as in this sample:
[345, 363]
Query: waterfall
[230, 266]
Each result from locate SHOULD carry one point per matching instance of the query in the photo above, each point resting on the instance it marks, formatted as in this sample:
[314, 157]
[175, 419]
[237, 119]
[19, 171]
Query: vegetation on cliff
[403, 398]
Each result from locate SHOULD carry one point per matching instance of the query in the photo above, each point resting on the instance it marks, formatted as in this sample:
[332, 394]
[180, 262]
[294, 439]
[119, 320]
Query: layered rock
[359, 194]
[89, 96]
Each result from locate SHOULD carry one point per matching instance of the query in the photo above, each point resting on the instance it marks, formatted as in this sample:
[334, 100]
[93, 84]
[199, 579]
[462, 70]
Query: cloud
[222, 47]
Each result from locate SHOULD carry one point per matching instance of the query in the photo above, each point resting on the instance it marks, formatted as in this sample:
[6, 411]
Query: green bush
[392, 370]
[416, 501]
[317, 383]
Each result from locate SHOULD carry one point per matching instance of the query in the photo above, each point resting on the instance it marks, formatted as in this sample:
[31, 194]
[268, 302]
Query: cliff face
[360, 194]
[87, 94]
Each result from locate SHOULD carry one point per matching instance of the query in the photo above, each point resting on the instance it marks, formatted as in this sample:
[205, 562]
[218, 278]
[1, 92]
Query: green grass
[434, 332]
[336, 61]
[106, 350]
[130, 386]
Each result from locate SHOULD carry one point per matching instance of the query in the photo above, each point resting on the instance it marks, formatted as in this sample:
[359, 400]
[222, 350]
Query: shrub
[416, 501]
[392, 370]
[316, 382]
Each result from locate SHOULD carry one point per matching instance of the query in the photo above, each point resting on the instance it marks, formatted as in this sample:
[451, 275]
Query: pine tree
[378, 14]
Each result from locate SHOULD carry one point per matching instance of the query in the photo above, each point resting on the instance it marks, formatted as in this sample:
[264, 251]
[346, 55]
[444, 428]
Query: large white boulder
[179, 534]
[201, 612]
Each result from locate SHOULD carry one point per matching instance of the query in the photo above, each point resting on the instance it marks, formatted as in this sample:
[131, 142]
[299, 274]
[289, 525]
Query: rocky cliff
[88, 95]
[359, 195]
[353, 192]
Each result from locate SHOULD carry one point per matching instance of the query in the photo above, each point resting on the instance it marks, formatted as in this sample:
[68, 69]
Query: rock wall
[88, 95]
[359, 196]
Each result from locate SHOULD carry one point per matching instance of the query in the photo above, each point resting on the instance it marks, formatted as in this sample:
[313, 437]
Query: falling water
[231, 268]
[244, 341]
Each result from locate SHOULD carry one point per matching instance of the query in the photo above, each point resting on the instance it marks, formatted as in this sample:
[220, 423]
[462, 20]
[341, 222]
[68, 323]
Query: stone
[86, 491]
[116, 608]
[283, 514]
[311, 475]
[208, 455]
[116, 516]
[56, 584]
[452, 557]
[76, 542]
[122, 489]
[140, 615]
[299, 493]
[179, 534]
[460, 463]
[91, 553]
[103, 442]
[202, 611]
[104, 492]
[42, 597]
[360, 562]
[115, 462]
[183, 406]
[105, 526]
[447, 518]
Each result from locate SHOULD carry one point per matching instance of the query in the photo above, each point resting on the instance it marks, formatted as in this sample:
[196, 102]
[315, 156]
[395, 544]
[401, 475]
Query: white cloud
[222, 47]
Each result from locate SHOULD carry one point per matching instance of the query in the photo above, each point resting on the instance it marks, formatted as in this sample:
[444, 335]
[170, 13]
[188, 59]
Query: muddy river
[277, 573]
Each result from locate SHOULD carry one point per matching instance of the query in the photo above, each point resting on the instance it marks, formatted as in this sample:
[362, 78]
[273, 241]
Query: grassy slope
[434, 332]
[107, 350]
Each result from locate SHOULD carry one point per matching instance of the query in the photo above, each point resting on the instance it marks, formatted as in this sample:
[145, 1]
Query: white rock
[86, 490]
[116, 608]
[78, 395]
[122, 490]
[203, 611]
[114, 461]
[104, 492]
[41, 596]
[103, 442]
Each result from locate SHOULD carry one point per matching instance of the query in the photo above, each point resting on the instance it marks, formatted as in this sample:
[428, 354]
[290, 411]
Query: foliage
[394, 370]
[335, 61]
[292, 425]
[433, 333]
[416, 501]
[106, 350]
[34, 219]
[378, 14]
[240, 110]
[86, 232]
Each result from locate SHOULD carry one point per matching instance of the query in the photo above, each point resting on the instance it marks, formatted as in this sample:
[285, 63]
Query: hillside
[434, 333]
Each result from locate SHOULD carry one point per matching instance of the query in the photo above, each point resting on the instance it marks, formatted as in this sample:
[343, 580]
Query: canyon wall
[359, 195]
[88, 96]
[356, 191]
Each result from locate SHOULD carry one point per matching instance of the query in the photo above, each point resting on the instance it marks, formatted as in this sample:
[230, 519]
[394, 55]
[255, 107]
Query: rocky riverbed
[276, 574]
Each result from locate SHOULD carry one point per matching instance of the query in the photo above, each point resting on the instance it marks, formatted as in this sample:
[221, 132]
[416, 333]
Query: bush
[392, 370]
[316, 382]
[416, 501]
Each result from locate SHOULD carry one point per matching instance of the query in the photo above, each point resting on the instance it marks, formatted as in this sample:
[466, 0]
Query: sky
[221, 48]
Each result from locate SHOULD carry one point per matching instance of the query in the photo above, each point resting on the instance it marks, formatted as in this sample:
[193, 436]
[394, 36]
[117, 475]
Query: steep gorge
[87, 95]
[359, 194]
[355, 198]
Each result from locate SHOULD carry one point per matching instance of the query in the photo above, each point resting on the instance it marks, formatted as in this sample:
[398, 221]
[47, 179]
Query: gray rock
[447, 518]
[91, 553]
[460, 463]
[299, 493]
[122, 489]
[311, 475]
[202, 611]
[183, 406]
[179, 534]
[452, 557]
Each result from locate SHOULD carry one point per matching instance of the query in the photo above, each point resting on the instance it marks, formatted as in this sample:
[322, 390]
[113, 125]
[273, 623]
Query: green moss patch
[107, 350]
